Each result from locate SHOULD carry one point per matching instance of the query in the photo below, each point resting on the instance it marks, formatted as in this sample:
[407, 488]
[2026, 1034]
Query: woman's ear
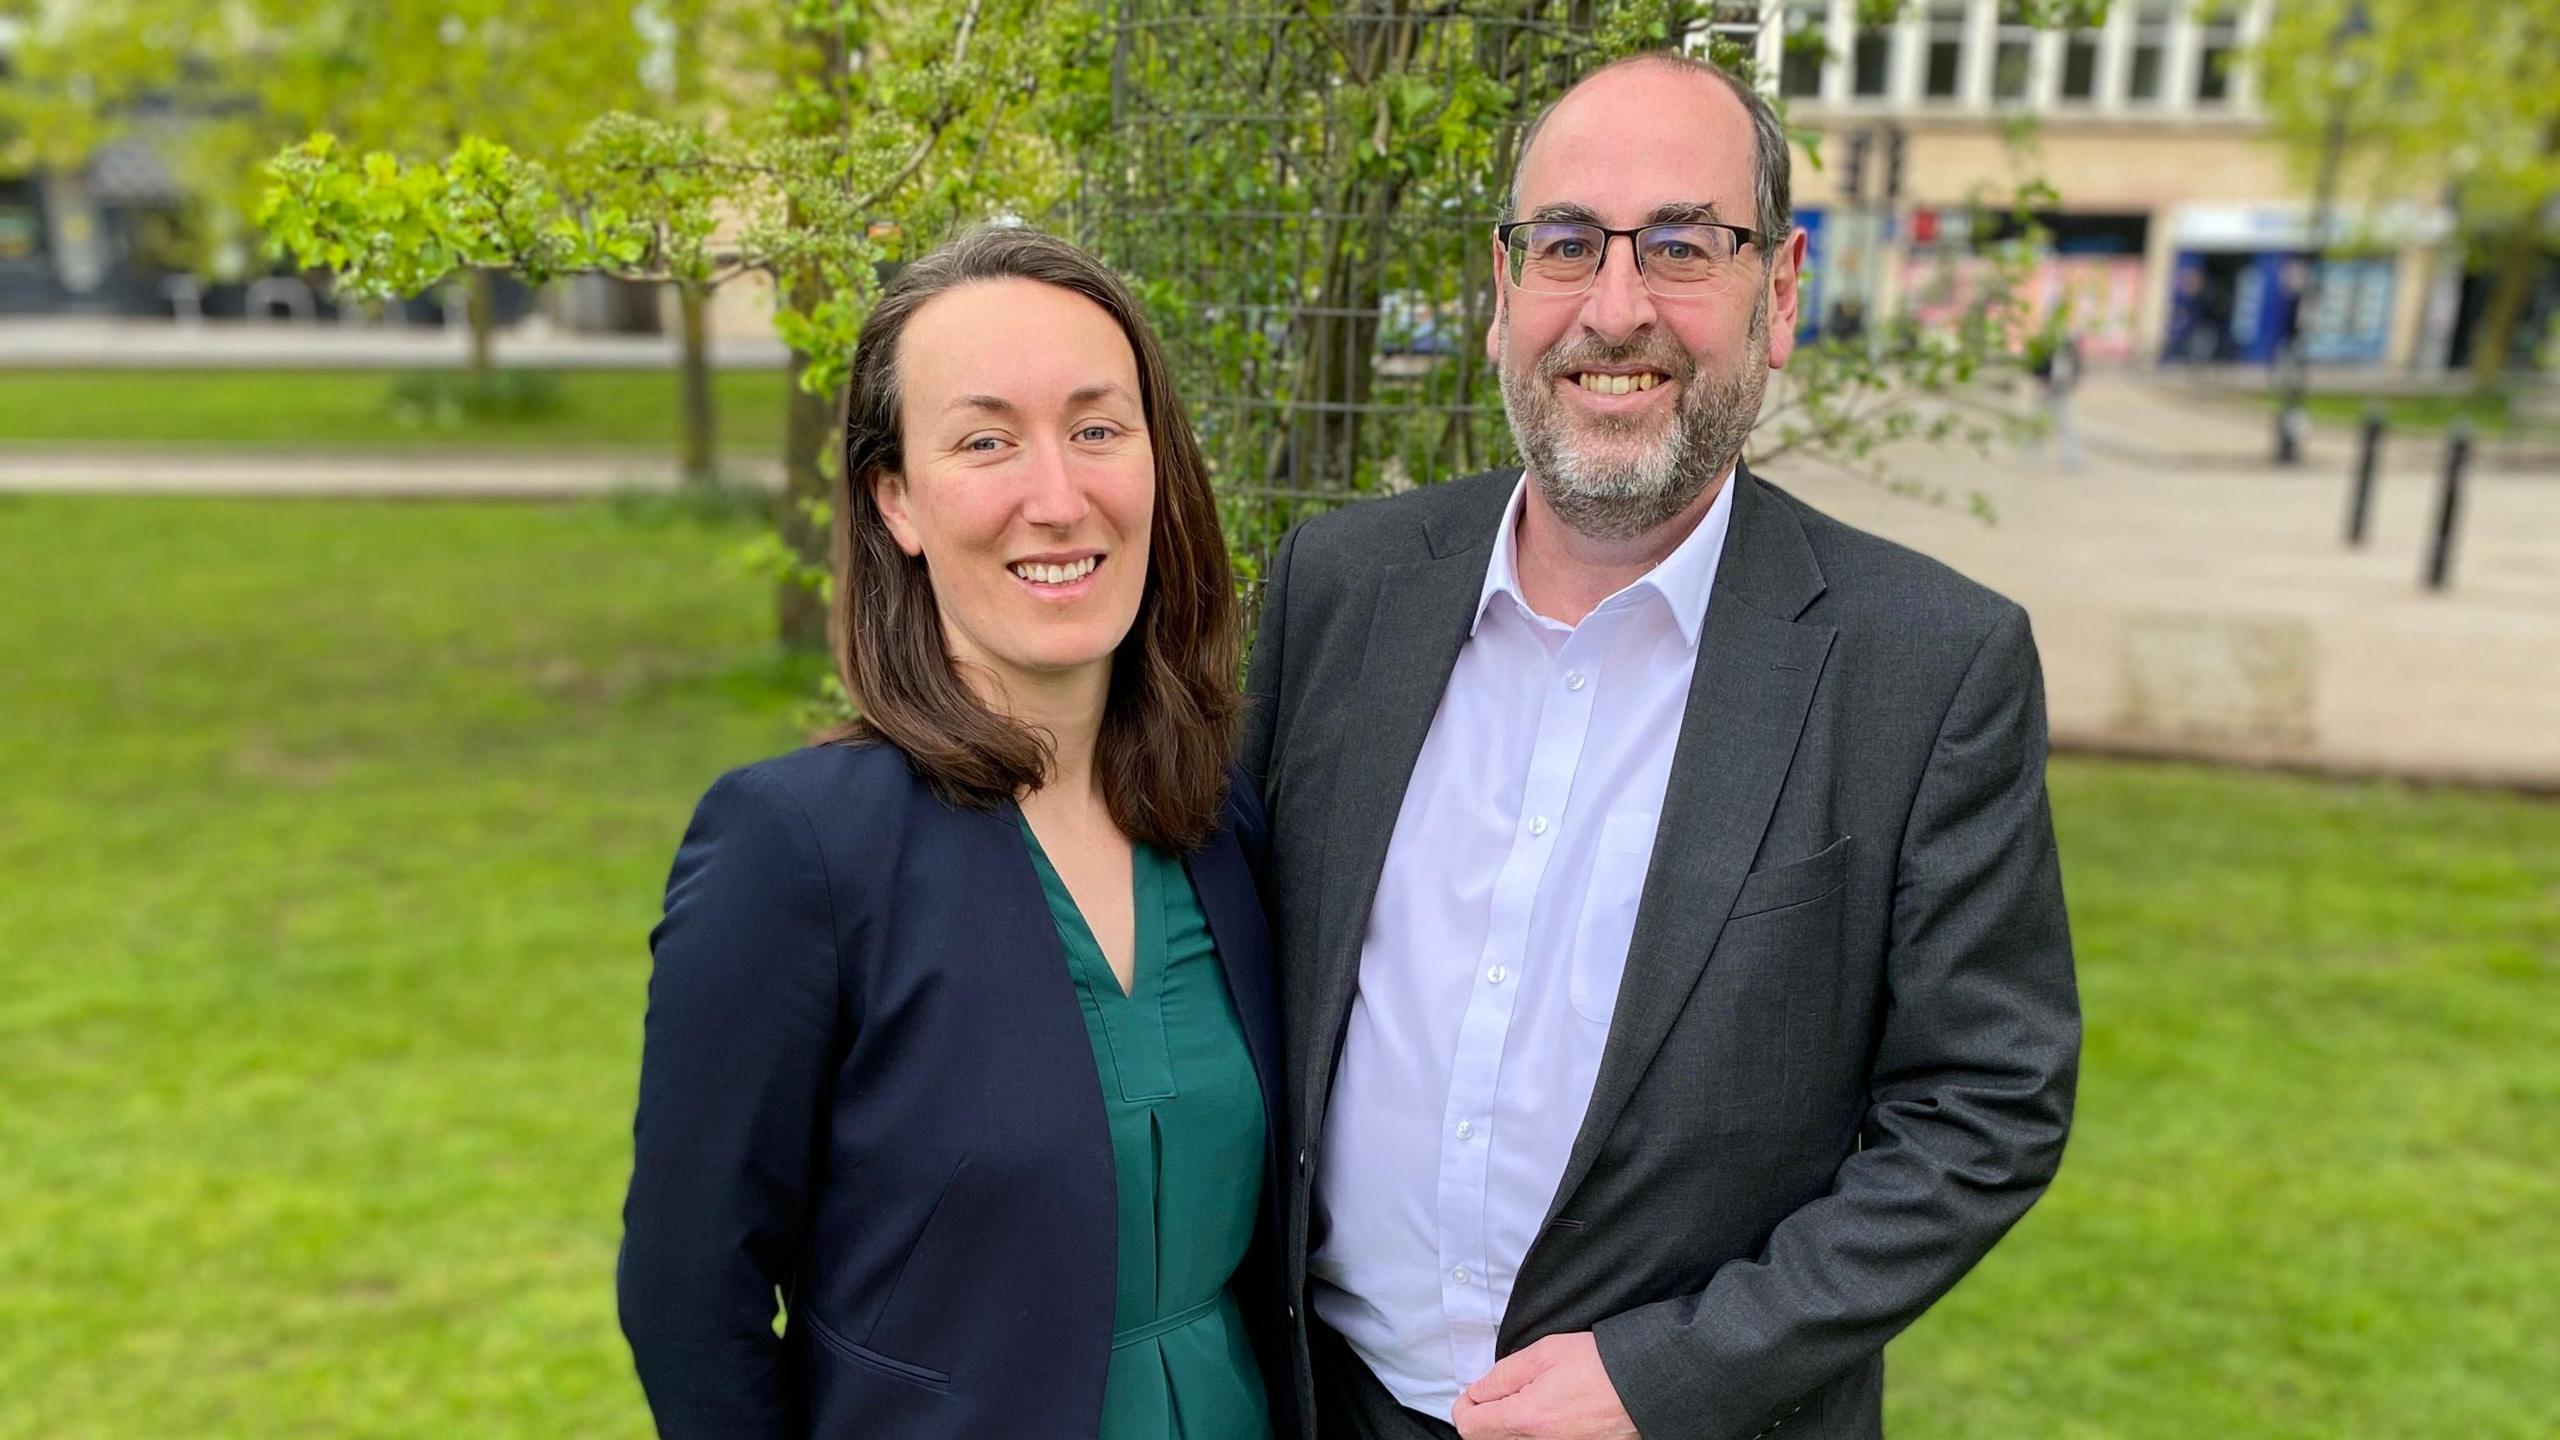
[889, 492]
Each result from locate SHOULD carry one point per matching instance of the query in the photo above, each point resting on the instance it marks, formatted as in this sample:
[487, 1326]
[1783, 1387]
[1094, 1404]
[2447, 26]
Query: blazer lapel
[1748, 696]
[1229, 898]
[1419, 623]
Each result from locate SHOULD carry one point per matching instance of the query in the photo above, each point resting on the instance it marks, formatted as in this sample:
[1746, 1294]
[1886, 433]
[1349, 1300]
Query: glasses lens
[1684, 255]
[1554, 255]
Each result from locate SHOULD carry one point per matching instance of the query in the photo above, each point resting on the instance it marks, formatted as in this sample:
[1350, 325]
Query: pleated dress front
[1187, 1135]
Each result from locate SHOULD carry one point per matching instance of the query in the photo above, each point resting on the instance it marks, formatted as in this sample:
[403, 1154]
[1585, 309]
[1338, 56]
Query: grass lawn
[2428, 413]
[355, 410]
[334, 832]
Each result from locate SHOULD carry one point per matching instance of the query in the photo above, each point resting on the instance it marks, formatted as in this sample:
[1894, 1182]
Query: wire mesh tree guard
[1303, 196]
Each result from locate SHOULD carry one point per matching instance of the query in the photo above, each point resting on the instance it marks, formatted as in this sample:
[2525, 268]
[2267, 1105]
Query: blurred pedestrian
[2057, 372]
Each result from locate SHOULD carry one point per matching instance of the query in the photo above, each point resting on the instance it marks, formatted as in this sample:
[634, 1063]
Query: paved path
[389, 474]
[2199, 606]
[91, 342]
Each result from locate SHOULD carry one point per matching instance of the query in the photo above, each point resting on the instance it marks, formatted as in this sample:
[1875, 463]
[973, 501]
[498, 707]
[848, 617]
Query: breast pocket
[1782, 886]
[1609, 914]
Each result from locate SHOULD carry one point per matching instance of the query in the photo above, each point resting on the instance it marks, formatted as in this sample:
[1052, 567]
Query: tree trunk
[481, 307]
[2519, 265]
[819, 54]
[694, 384]
[800, 612]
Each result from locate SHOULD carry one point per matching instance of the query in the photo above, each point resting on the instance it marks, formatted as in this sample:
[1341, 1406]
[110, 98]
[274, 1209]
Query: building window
[2009, 57]
[2080, 66]
[2150, 53]
[1944, 78]
[2221, 52]
[1806, 46]
[1872, 58]
[1736, 23]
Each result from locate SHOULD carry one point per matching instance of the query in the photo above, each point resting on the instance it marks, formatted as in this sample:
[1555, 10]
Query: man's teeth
[1058, 574]
[1616, 384]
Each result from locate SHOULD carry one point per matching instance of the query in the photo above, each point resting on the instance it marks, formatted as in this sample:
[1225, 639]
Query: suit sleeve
[1262, 673]
[1969, 1099]
[734, 1058]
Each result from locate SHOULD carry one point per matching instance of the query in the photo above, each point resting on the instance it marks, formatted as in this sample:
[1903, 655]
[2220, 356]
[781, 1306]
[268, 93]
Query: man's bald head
[1770, 160]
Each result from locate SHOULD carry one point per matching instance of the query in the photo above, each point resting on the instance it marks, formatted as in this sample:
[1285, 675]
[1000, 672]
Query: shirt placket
[1469, 1300]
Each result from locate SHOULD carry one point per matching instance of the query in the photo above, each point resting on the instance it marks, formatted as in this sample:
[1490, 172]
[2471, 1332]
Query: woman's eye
[1095, 433]
[983, 444]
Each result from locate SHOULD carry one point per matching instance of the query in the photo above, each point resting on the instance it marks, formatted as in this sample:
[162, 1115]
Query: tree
[2467, 93]
[1292, 191]
[1303, 195]
[852, 133]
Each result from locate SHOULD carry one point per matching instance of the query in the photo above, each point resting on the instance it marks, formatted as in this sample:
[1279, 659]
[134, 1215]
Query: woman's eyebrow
[1100, 390]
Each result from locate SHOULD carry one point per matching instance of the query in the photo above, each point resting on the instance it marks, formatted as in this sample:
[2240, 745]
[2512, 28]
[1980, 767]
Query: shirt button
[1466, 1129]
[1538, 825]
[1498, 974]
[1459, 1275]
[1575, 679]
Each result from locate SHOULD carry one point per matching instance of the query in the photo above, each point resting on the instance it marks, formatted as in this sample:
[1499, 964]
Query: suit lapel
[1748, 696]
[1420, 621]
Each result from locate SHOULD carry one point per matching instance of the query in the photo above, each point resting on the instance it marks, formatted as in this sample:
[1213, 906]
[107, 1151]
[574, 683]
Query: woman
[961, 1033]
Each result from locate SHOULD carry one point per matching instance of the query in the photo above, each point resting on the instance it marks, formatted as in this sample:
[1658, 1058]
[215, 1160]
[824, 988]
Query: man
[1680, 999]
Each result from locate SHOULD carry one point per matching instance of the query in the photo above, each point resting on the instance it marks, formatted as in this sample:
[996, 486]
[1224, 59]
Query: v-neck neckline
[1146, 906]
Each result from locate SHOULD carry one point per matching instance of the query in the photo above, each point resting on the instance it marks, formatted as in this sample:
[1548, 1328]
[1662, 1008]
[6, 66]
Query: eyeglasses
[1563, 257]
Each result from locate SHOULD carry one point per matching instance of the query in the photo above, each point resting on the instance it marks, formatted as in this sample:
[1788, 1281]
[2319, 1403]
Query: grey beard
[1618, 498]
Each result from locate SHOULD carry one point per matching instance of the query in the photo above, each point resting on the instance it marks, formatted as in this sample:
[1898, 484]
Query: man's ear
[1785, 271]
[889, 492]
[1493, 327]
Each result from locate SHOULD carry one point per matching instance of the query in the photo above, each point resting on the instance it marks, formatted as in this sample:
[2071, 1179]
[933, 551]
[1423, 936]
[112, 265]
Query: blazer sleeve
[734, 1060]
[1970, 1093]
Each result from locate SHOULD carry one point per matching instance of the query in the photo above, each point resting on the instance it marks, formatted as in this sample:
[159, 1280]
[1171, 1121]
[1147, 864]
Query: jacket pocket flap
[886, 1364]
[1794, 883]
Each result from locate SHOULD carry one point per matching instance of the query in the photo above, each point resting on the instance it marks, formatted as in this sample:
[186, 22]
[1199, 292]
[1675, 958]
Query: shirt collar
[1683, 580]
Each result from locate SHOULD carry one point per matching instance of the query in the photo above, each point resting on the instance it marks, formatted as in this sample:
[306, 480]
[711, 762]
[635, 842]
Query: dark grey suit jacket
[1843, 1055]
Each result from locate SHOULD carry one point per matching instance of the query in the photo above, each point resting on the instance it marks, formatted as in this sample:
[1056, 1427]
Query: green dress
[1187, 1133]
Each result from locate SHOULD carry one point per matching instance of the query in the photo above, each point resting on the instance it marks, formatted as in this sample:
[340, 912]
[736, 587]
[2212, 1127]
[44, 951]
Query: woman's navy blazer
[866, 1085]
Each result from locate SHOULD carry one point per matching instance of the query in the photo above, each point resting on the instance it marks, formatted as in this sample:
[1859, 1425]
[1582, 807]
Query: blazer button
[1302, 1160]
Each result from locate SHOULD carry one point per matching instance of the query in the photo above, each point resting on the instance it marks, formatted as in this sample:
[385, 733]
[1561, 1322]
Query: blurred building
[125, 234]
[2182, 231]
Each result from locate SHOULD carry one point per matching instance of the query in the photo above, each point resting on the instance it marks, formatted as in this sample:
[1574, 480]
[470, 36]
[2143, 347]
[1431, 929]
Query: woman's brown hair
[1169, 724]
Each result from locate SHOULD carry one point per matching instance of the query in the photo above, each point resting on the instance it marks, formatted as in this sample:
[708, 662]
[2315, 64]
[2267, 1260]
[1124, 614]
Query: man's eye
[982, 444]
[1568, 249]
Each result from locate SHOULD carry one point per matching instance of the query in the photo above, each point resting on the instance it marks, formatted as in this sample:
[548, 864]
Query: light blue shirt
[1490, 969]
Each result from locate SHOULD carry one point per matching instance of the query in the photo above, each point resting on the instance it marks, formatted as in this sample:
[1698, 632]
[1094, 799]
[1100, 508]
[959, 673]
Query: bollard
[2449, 511]
[2360, 500]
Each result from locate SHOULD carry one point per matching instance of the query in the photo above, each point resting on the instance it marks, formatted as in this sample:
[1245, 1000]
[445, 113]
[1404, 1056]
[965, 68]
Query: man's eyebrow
[1686, 212]
[1675, 212]
[1566, 210]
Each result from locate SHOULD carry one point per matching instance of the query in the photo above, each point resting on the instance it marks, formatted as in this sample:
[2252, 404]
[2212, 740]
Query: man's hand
[1555, 1389]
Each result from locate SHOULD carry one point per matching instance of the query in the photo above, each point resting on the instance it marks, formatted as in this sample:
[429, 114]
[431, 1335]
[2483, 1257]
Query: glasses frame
[1742, 236]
